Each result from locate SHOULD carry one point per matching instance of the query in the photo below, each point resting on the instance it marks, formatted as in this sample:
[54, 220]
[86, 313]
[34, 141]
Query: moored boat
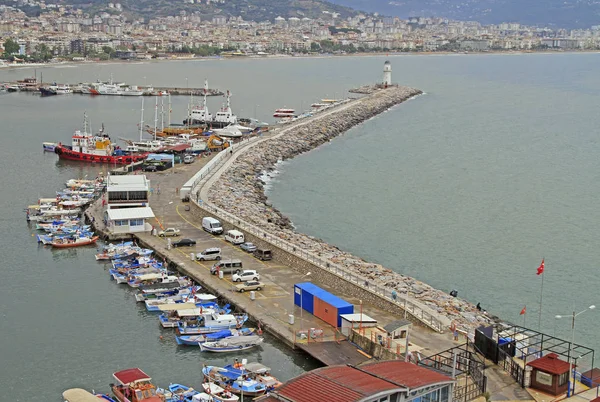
[81, 395]
[133, 385]
[196, 340]
[49, 146]
[76, 242]
[232, 344]
[234, 379]
[219, 394]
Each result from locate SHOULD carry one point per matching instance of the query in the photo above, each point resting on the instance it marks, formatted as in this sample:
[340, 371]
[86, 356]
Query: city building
[126, 204]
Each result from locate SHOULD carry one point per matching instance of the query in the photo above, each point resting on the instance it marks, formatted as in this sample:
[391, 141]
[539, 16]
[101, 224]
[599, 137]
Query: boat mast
[162, 113]
[169, 109]
[142, 120]
[155, 117]
[204, 102]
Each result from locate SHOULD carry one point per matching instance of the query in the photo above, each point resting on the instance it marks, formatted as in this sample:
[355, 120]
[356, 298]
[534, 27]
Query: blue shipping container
[303, 295]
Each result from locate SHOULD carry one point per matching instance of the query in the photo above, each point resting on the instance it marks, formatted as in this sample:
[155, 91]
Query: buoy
[160, 337]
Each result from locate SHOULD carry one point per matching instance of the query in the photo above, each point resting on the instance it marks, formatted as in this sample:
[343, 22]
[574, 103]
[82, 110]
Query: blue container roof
[324, 295]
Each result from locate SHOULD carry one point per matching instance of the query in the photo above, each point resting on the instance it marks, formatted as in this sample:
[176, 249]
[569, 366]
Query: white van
[234, 236]
[211, 225]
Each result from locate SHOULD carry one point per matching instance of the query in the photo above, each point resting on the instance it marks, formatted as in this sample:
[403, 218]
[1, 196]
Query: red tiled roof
[407, 374]
[550, 364]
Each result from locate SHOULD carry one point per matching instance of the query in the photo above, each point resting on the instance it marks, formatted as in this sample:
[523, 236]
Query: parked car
[168, 232]
[188, 159]
[184, 242]
[245, 275]
[227, 267]
[248, 247]
[263, 254]
[149, 168]
[213, 253]
[251, 285]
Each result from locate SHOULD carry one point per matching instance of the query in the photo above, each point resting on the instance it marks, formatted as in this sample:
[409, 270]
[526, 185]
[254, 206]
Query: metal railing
[417, 310]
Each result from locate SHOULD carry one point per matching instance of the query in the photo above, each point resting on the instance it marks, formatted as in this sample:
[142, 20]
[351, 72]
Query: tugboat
[96, 149]
[199, 113]
[223, 118]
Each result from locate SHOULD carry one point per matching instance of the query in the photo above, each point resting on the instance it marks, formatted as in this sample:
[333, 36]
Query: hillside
[553, 13]
[249, 10]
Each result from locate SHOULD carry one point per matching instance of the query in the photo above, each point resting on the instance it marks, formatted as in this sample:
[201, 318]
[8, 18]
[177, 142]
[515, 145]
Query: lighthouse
[387, 74]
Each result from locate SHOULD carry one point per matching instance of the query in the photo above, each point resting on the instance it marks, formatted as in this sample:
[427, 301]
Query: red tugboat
[90, 148]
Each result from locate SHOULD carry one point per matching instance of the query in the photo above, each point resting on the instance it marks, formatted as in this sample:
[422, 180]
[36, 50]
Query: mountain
[249, 10]
[551, 13]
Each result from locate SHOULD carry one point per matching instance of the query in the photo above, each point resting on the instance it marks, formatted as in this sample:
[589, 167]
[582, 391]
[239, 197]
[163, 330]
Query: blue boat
[212, 322]
[232, 344]
[234, 379]
[178, 393]
[196, 340]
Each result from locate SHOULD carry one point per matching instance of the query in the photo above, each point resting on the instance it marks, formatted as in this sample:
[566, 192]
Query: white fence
[419, 311]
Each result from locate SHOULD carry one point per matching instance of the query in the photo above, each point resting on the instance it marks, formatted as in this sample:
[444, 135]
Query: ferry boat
[284, 112]
[96, 149]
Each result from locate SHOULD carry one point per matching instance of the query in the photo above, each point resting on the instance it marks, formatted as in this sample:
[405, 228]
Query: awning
[129, 213]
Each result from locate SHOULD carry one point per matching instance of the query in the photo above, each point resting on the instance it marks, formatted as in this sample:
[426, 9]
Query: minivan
[213, 253]
[234, 236]
[211, 225]
[226, 266]
[263, 254]
[188, 159]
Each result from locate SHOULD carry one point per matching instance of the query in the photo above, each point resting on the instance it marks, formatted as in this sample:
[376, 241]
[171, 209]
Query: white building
[127, 205]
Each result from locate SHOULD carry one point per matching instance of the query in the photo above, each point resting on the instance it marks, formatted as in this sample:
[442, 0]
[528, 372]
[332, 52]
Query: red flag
[540, 269]
[523, 311]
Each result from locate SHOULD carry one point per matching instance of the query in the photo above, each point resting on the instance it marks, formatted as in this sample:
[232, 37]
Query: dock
[273, 307]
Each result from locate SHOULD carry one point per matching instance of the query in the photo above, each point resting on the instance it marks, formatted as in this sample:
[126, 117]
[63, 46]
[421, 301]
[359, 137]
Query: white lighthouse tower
[387, 74]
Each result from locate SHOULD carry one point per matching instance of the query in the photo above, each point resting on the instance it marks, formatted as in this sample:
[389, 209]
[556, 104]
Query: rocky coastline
[240, 191]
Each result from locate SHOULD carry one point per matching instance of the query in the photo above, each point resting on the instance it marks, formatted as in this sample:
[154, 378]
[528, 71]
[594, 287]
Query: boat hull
[76, 244]
[66, 153]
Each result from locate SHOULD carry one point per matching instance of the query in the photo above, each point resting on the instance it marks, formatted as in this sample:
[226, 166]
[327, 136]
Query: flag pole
[541, 295]
[524, 314]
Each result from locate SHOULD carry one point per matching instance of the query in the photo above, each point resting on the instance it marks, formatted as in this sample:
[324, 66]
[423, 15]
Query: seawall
[239, 191]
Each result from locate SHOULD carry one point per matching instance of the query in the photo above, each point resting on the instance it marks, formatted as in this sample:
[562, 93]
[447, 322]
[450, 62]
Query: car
[149, 168]
[168, 232]
[251, 285]
[248, 247]
[245, 275]
[184, 242]
[188, 159]
[213, 253]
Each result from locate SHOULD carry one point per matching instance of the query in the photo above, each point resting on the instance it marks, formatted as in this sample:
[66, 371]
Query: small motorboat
[74, 242]
[232, 344]
[196, 340]
[177, 393]
[133, 385]
[49, 146]
[219, 393]
[234, 380]
[81, 395]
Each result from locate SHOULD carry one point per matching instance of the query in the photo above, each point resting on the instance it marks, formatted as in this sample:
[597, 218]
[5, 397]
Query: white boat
[219, 393]
[63, 89]
[199, 113]
[49, 146]
[282, 112]
[225, 117]
[229, 131]
[232, 344]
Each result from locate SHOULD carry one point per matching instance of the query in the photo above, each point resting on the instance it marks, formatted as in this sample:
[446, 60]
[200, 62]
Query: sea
[466, 187]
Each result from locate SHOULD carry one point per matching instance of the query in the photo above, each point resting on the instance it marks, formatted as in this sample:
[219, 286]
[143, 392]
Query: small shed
[356, 320]
[550, 374]
[398, 329]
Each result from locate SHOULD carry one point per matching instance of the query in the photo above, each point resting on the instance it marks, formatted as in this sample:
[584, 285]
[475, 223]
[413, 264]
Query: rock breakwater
[240, 191]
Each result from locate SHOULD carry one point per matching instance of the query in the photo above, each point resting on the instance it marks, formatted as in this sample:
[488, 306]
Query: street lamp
[301, 294]
[569, 393]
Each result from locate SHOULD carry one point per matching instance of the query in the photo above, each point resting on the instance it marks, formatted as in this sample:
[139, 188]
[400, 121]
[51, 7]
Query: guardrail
[420, 312]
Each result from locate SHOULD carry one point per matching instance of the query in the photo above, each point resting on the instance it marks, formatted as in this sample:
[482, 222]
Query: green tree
[42, 53]
[108, 51]
[11, 46]
[315, 47]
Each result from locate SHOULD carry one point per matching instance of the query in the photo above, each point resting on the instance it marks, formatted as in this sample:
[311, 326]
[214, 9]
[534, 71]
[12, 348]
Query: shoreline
[295, 56]
[241, 192]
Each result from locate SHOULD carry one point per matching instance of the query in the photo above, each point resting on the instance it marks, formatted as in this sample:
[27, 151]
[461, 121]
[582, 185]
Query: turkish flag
[540, 269]
[523, 311]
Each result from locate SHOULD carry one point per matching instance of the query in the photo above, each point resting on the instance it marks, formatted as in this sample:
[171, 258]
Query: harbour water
[467, 187]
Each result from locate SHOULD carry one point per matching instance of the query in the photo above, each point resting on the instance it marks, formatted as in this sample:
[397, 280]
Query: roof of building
[127, 182]
[358, 317]
[129, 213]
[550, 364]
[407, 374]
[350, 384]
[394, 325]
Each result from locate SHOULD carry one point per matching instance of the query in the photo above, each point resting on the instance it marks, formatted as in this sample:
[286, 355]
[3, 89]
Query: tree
[108, 51]
[11, 47]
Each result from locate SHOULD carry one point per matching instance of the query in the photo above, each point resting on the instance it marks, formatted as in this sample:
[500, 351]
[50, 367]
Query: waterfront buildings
[126, 204]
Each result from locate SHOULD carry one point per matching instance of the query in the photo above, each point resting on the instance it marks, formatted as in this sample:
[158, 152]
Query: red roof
[407, 374]
[550, 364]
[350, 384]
[131, 375]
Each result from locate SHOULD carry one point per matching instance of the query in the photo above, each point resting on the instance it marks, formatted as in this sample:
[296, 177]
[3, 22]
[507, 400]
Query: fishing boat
[212, 322]
[232, 344]
[219, 394]
[76, 242]
[133, 385]
[235, 380]
[196, 340]
[177, 393]
[95, 149]
[261, 373]
[173, 314]
[48, 91]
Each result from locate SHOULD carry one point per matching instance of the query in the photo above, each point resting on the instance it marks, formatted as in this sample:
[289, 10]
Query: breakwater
[240, 192]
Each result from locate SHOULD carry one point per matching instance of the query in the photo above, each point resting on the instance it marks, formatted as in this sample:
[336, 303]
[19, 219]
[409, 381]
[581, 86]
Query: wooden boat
[133, 385]
[79, 241]
[196, 340]
[232, 344]
[235, 380]
[219, 393]
[81, 395]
